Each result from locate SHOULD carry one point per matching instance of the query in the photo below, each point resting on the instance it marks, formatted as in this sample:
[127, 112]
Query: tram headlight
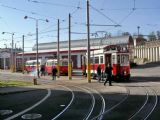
[125, 72]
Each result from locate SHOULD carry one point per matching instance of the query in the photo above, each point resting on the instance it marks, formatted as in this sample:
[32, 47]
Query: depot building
[78, 48]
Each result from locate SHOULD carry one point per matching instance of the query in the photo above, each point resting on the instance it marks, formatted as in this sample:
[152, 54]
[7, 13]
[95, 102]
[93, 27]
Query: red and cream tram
[115, 55]
[31, 65]
[63, 66]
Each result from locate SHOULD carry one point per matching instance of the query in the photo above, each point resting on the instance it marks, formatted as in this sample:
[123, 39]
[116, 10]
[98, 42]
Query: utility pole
[88, 45]
[37, 55]
[58, 60]
[23, 54]
[69, 51]
[15, 64]
[12, 55]
[138, 30]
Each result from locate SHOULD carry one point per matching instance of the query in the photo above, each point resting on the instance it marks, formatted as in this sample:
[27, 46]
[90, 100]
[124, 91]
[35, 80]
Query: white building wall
[156, 55]
[148, 53]
[152, 54]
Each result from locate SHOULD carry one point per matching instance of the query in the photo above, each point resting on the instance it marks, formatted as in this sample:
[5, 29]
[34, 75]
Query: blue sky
[128, 13]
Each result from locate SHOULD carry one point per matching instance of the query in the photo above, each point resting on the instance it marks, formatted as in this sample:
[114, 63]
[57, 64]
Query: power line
[148, 8]
[54, 4]
[61, 21]
[80, 33]
[126, 16]
[104, 15]
[30, 12]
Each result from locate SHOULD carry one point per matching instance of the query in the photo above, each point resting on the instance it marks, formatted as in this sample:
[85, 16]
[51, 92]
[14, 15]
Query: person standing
[42, 70]
[54, 72]
[99, 73]
[108, 72]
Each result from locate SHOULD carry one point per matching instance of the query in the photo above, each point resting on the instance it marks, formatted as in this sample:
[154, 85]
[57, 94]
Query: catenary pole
[37, 56]
[88, 45]
[69, 51]
[23, 54]
[15, 56]
[12, 55]
[58, 53]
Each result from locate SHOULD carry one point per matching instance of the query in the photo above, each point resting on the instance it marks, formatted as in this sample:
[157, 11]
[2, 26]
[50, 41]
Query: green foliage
[132, 64]
[5, 83]
[152, 36]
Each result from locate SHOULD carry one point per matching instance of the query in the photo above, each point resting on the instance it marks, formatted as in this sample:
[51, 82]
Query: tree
[140, 36]
[125, 33]
[152, 36]
[158, 35]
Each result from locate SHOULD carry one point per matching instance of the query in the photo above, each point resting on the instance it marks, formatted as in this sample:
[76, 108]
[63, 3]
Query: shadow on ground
[147, 65]
[145, 79]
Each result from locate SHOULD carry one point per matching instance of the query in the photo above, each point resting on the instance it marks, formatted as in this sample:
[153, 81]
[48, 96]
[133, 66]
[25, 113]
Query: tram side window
[118, 59]
[113, 59]
[64, 63]
[101, 59]
[124, 59]
[92, 60]
[55, 63]
[34, 63]
[96, 60]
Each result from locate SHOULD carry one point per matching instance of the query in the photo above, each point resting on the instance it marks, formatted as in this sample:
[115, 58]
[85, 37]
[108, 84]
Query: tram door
[107, 59]
[118, 64]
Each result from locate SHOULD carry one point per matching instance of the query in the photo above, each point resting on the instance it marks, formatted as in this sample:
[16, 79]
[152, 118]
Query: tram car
[115, 55]
[63, 66]
[31, 65]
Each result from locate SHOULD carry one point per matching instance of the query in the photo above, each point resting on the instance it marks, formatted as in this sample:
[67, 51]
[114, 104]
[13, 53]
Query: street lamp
[26, 17]
[11, 60]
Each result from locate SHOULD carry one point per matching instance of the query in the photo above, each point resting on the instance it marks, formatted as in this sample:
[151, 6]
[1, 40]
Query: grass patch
[6, 83]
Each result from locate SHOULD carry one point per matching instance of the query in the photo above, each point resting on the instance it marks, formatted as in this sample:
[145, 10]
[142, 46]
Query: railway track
[148, 107]
[87, 102]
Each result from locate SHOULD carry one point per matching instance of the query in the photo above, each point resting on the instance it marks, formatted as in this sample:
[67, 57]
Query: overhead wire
[123, 19]
[43, 31]
[61, 20]
[80, 33]
[72, 13]
[53, 4]
[30, 12]
[131, 12]
[108, 18]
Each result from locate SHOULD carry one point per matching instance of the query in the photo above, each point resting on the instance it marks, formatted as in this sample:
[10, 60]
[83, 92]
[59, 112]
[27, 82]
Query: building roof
[80, 45]
[83, 43]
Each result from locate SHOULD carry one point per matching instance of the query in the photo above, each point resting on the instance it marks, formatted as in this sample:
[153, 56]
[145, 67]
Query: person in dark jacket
[42, 70]
[99, 73]
[54, 72]
[108, 72]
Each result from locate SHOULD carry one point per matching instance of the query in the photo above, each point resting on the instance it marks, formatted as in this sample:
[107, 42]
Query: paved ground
[138, 99]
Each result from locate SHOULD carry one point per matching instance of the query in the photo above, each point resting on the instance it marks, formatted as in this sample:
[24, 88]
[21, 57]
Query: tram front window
[124, 59]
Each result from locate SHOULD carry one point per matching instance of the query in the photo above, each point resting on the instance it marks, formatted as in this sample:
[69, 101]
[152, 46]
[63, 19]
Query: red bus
[115, 55]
